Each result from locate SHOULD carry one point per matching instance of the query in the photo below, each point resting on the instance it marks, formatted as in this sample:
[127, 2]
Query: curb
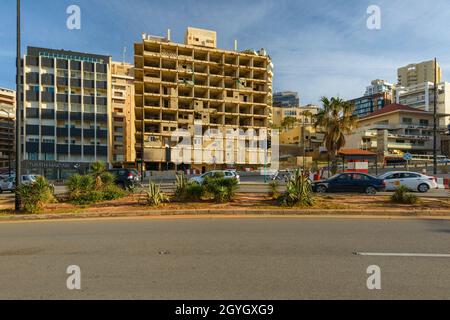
[261, 213]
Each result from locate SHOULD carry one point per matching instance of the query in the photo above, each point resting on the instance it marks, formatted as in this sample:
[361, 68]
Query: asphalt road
[266, 258]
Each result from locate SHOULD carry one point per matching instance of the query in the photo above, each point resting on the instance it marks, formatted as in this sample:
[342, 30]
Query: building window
[33, 156]
[48, 156]
[407, 120]
[424, 122]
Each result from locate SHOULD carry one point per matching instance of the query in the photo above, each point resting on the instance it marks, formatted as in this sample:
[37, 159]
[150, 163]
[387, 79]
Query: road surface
[216, 258]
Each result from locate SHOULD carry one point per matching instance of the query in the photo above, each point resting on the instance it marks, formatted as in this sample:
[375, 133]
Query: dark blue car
[350, 182]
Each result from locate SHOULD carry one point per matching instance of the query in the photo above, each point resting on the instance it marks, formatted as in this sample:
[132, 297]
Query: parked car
[9, 184]
[349, 182]
[125, 178]
[411, 180]
[228, 174]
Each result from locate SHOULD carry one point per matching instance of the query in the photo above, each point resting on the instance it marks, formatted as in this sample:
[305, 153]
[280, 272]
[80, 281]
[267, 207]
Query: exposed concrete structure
[195, 88]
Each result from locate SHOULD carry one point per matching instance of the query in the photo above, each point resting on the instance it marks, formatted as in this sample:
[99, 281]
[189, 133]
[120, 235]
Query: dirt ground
[136, 203]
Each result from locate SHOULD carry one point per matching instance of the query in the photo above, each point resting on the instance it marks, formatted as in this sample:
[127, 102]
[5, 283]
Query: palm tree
[98, 168]
[288, 122]
[336, 119]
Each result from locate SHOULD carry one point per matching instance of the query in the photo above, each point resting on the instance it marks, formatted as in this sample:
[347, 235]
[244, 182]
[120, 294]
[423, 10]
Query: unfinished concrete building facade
[196, 87]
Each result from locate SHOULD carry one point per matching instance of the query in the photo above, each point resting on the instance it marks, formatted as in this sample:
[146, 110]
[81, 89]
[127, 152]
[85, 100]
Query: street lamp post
[435, 120]
[18, 109]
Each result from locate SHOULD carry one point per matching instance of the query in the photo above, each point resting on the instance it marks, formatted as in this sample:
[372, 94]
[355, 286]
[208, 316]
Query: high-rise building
[379, 86]
[286, 99]
[198, 89]
[66, 122]
[122, 107]
[7, 129]
[417, 73]
[421, 97]
[377, 95]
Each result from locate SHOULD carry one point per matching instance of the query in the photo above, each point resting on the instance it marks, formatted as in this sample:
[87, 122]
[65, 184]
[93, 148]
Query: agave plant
[181, 186]
[298, 191]
[155, 196]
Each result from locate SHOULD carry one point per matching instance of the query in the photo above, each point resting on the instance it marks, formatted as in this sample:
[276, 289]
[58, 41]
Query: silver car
[228, 174]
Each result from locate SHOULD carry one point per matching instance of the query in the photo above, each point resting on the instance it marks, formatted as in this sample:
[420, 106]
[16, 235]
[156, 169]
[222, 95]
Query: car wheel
[371, 190]
[423, 188]
[321, 189]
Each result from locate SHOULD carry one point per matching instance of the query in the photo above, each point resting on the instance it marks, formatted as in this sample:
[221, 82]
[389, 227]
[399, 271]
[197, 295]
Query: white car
[9, 184]
[411, 180]
[229, 174]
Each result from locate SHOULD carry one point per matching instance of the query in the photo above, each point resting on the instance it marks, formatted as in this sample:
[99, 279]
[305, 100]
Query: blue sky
[319, 47]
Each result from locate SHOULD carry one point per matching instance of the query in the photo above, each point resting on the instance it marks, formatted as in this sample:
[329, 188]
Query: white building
[421, 96]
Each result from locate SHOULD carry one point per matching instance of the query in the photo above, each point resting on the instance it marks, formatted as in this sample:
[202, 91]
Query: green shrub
[35, 195]
[403, 196]
[274, 189]
[91, 188]
[298, 191]
[155, 196]
[194, 191]
[220, 188]
[112, 192]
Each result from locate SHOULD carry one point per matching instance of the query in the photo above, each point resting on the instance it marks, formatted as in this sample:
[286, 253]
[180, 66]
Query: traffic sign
[407, 156]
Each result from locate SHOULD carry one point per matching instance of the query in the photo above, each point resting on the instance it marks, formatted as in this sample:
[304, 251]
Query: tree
[336, 119]
[288, 122]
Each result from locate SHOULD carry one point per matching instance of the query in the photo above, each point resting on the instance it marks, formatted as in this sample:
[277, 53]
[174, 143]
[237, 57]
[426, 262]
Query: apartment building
[417, 73]
[377, 96]
[122, 107]
[301, 114]
[393, 131]
[66, 122]
[421, 96]
[286, 99]
[197, 88]
[7, 129]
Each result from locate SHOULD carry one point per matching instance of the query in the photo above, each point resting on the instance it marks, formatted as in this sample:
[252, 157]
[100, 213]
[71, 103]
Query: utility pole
[18, 109]
[435, 119]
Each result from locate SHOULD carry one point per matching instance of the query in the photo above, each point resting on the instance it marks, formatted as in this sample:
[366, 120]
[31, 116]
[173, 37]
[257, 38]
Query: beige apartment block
[393, 131]
[8, 102]
[7, 129]
[302, 115]
[417, 73]
[122, 106]
[196, 88]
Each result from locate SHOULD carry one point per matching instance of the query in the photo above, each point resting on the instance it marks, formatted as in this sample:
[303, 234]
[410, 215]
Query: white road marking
[422, 255]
